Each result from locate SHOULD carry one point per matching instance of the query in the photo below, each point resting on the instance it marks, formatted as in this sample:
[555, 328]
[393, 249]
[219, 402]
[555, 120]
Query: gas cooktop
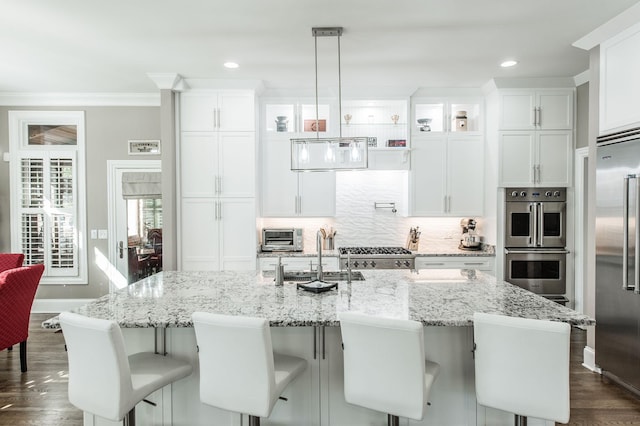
[376, 258]
[393, 251]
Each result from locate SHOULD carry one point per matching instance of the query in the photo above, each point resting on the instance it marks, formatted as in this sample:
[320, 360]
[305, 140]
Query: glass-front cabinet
[286, 116]
[446, 115]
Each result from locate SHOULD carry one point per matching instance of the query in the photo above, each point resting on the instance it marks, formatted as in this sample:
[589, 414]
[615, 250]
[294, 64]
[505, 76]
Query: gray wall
[107, 132]
[582, 122]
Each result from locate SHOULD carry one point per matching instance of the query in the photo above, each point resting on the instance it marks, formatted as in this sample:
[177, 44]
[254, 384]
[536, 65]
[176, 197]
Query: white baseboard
[55, 306]
[589, 360]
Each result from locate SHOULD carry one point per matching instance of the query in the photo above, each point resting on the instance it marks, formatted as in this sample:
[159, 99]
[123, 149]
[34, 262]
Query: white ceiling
[110, 46]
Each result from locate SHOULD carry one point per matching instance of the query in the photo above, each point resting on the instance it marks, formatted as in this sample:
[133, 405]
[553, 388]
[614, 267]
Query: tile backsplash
[359, 223]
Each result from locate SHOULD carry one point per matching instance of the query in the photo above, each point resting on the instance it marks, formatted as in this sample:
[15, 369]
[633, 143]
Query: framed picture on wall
[144, 147]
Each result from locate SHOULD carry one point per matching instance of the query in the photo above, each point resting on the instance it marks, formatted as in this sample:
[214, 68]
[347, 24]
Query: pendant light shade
[328, 154]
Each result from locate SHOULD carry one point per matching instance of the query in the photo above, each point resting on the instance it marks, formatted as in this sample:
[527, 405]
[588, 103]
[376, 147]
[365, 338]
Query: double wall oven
[535, 240]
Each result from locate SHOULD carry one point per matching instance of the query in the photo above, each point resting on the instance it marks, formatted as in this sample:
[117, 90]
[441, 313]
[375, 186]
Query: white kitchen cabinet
[447, 176]
[286, 193]
[218, 234]
[217, 181]
[299, 263]
[619, 83]
[217, 164]
[541, 109]
[442, 114]
[535, 158]
[480, 263]
[208, 111]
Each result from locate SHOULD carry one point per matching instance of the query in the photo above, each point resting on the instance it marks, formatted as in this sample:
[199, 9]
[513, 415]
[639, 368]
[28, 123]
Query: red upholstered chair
[10, 261]
[17, 290]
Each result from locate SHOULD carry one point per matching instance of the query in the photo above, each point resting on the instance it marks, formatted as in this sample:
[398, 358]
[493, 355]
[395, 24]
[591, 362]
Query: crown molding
[79, 99]
[582, 78]
[168, 81]
[622, 22]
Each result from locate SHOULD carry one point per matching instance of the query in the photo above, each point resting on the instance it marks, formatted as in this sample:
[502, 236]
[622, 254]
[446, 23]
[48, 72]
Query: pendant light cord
[315, 38]
[339, 91]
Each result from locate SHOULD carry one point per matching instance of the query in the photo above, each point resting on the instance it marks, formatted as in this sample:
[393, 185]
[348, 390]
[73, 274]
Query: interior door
[117, 266]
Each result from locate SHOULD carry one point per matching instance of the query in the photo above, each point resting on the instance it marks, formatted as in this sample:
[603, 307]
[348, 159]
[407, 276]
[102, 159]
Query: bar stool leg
[393, 420]
[254, 421]
[130, 418]
[520, 420]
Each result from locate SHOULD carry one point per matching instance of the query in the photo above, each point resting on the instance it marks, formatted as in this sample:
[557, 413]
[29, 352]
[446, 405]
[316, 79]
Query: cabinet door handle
[219, 210]
[219, 119]
[219, 184]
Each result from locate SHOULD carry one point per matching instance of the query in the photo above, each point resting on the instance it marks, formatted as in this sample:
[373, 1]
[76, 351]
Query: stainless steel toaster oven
[281, 239]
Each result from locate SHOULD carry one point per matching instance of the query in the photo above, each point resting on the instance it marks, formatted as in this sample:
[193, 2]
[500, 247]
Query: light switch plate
[94, 234]
[102, 234]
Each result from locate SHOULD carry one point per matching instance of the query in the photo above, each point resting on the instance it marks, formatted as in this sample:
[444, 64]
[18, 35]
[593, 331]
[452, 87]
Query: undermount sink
[300, 276]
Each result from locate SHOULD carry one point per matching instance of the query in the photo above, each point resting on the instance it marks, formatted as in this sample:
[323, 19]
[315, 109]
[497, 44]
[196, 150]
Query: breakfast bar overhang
[155, 313]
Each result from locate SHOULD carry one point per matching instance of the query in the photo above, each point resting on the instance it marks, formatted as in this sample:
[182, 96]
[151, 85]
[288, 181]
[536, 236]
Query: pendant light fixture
[331, 153]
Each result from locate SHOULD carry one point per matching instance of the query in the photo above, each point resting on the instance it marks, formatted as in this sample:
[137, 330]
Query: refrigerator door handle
[636, 283]
[625, 235]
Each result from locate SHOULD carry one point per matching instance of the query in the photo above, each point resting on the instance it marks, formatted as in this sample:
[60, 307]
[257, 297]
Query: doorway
[135, 220]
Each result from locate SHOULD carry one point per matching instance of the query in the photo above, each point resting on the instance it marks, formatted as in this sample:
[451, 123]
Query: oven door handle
[540, 219]
[534, 222]
[525, 251]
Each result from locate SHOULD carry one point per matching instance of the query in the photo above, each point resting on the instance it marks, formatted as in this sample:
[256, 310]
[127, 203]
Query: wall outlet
[102, 234]
[94, 234]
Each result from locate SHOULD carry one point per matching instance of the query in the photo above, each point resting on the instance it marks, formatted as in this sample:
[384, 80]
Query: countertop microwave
[281, 239]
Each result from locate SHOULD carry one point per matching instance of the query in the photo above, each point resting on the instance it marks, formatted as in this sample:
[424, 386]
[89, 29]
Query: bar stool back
[103, 380]
[385, 367]
[238, 369]
[522, 366]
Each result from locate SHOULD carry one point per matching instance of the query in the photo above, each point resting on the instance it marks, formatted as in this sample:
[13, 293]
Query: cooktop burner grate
[391, 251]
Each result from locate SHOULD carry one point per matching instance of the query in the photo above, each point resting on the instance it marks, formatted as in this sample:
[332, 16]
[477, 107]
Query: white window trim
[18, 127]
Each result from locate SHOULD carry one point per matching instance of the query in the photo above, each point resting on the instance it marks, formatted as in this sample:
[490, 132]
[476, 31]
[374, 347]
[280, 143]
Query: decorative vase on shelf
[395, 118]
[281, 123]
[347, 118]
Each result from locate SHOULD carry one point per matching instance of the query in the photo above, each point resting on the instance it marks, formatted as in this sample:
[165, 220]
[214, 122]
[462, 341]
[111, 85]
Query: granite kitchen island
[156, 313]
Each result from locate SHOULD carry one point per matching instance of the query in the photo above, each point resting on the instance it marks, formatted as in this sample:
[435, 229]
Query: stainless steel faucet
[319, 239]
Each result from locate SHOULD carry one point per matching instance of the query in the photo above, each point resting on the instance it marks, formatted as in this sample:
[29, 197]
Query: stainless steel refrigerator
[618, 258]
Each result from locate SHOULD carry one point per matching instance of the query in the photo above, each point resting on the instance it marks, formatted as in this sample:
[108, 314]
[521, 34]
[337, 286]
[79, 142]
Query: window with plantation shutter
[47, 210]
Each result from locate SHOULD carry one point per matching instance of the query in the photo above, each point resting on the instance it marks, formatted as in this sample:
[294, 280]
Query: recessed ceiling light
[231, 65]
[509, 63]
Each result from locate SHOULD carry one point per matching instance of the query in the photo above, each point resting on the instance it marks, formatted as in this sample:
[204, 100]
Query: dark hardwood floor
[39, 396]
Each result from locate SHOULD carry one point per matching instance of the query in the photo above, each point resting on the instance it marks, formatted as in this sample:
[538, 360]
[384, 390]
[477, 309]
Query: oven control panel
[536, 194]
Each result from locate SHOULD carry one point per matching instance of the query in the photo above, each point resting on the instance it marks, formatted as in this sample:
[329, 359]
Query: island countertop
[433, 297]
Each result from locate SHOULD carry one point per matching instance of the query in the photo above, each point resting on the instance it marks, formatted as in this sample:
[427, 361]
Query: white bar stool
[522, 366]
[103, 380]
[238, 369]
[385, 367]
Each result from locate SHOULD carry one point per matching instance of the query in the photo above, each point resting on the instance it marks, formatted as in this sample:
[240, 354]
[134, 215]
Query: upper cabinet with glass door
[446, 115]
[287, 116]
